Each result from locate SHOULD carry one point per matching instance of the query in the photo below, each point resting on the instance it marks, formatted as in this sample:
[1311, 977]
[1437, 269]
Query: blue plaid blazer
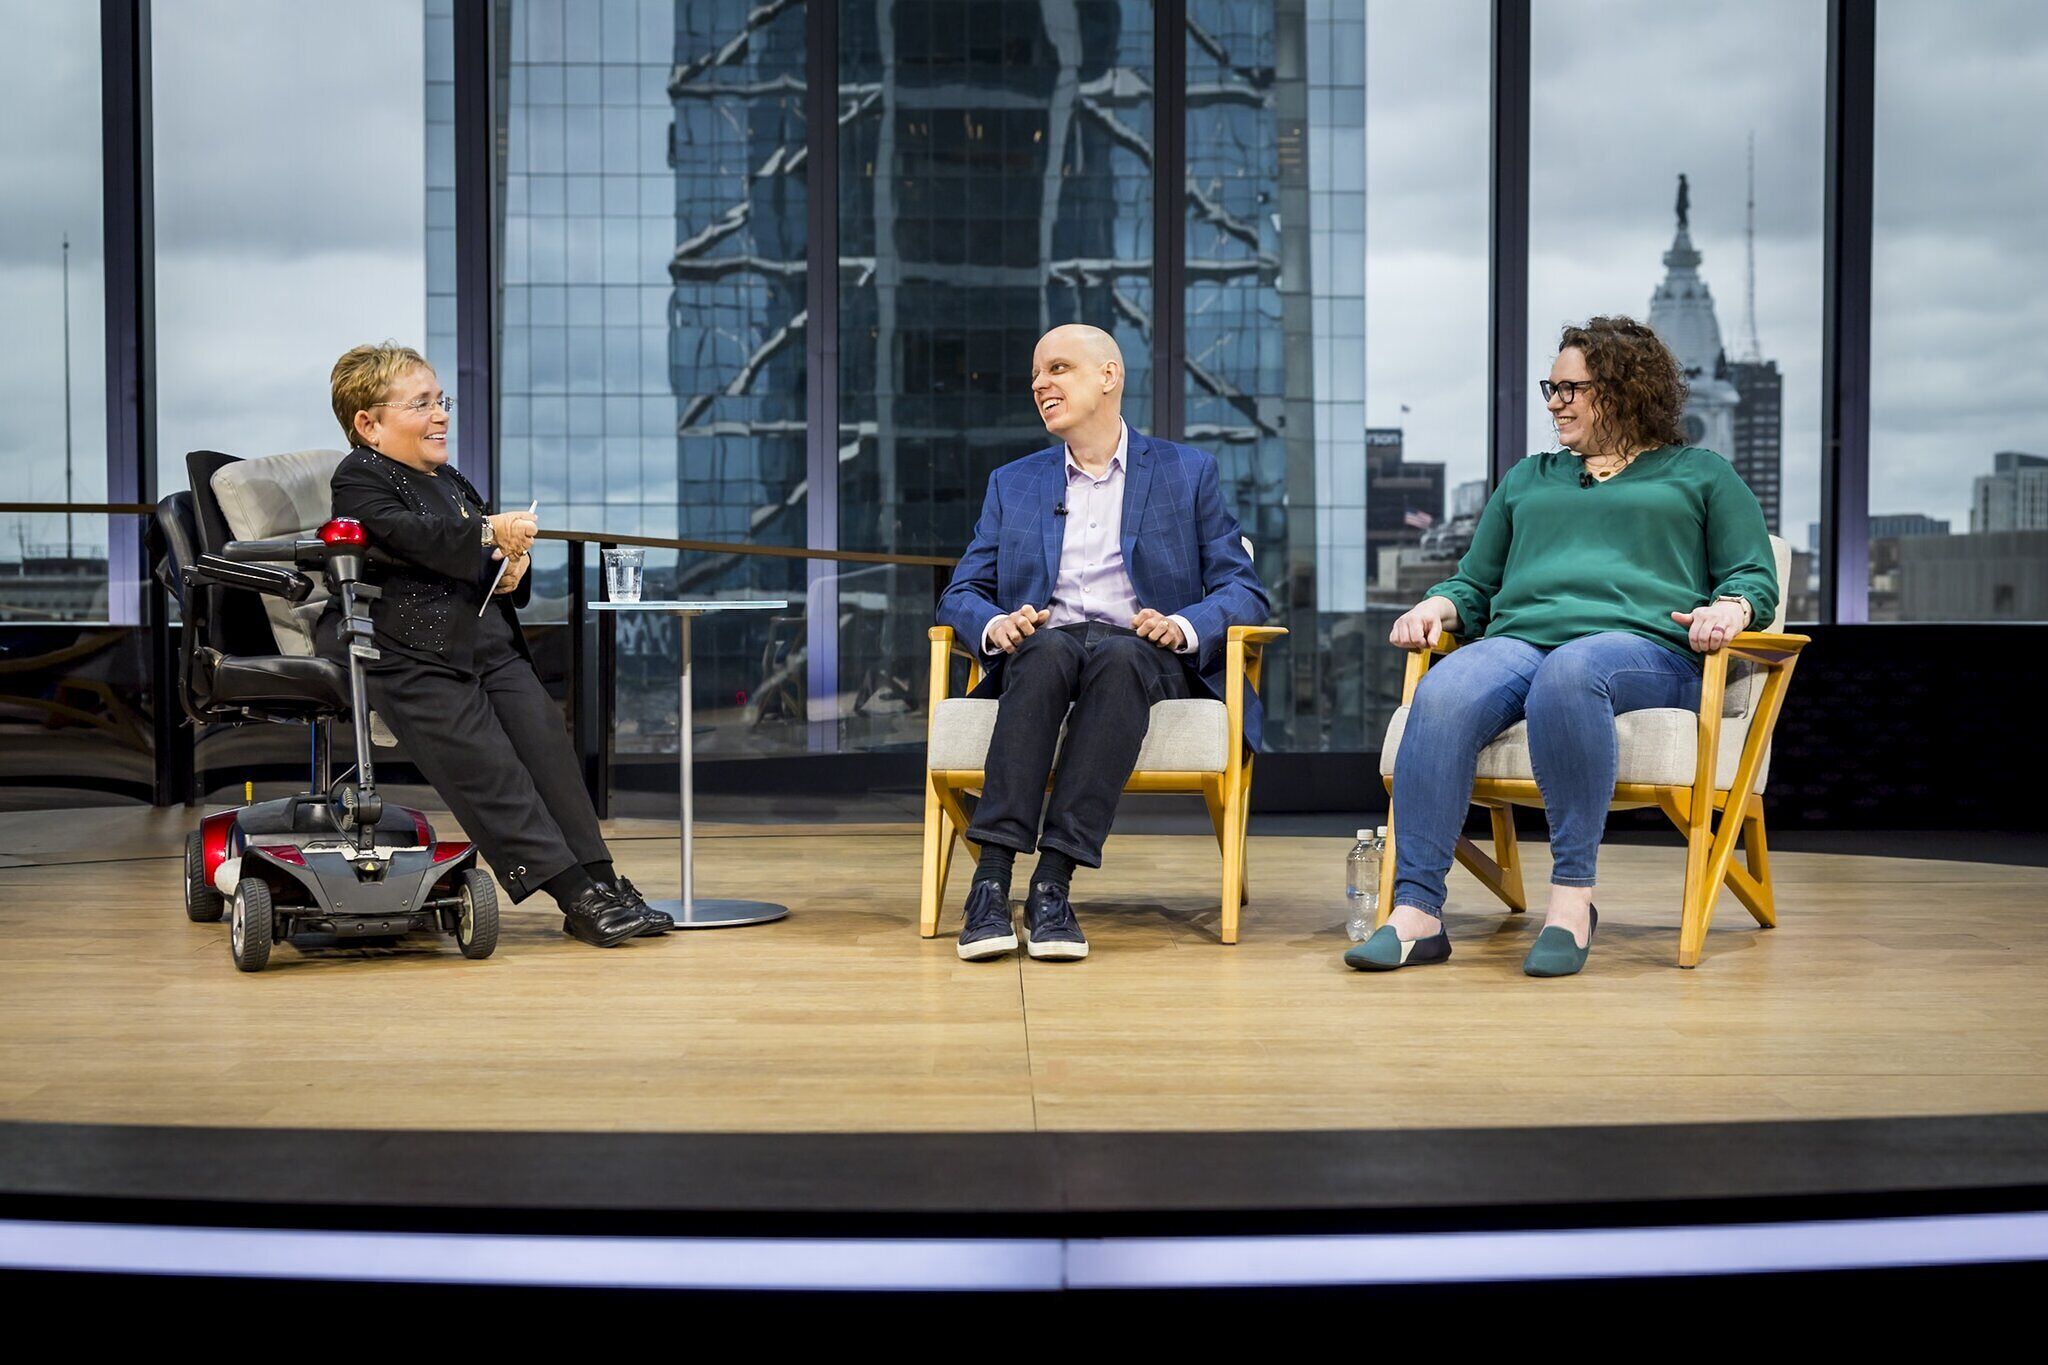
[1182, 548]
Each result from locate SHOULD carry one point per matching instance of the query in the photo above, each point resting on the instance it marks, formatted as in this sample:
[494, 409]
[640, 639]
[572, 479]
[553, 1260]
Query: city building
[1759, 431]
[1403, 500]
[2013, 497]
[1734, 408]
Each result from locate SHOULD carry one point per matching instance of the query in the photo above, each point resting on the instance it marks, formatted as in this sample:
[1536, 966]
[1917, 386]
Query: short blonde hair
[362, 377]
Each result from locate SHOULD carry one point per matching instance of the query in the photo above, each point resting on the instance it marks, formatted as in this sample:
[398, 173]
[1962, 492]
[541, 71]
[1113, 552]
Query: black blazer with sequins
[434, 568]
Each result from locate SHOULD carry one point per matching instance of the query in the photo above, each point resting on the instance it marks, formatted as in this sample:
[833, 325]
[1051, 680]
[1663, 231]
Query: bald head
[1077, 383]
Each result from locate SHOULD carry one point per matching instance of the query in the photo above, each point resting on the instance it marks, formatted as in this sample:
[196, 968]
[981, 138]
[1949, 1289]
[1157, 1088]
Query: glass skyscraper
[996, 177]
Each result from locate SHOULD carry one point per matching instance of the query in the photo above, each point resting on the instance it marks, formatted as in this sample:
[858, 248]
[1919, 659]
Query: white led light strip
[1019, 1264]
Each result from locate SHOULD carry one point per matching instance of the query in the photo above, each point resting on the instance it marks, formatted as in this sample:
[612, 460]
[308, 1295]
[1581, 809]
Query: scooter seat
[280, 681]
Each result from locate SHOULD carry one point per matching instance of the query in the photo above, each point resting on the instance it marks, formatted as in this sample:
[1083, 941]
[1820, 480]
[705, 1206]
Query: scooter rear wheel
[251, 925]
[203, 904]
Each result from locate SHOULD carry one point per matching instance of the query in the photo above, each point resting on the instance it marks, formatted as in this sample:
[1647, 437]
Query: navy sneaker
[987, 930]
[1051, 933]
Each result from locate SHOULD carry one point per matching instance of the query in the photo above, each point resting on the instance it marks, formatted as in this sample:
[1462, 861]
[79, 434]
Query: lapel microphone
[1585, 479]
[1060, 510]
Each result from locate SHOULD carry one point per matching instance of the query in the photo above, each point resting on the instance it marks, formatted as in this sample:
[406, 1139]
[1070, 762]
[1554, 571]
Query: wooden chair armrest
[1247, 646]
[1769, 648]
[940, 635]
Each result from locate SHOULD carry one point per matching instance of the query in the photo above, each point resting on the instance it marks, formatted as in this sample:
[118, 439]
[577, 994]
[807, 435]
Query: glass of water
[622, 573]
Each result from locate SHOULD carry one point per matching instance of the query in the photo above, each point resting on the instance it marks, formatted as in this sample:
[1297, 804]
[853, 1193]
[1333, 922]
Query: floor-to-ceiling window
[651, 372]
[290, 215]
[1676, 177]
[1959, 289]
[995, 172]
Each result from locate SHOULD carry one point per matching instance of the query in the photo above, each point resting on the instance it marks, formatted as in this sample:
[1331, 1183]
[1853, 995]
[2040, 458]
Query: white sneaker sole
[1054, 952]
[986, 947]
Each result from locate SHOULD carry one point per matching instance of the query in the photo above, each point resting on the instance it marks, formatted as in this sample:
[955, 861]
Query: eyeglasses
[420, 405]
[1565, 391]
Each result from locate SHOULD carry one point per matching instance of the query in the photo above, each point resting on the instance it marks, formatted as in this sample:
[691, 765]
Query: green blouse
[1552, 561]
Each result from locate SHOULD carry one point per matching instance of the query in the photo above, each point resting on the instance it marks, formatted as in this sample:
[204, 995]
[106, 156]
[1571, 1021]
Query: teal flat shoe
[1556, 953]
[1387, 951]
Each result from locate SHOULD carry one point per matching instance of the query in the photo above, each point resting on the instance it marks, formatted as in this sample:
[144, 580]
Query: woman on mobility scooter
[455, 682]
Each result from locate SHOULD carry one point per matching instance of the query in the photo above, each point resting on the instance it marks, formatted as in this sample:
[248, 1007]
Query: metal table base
[689, 911]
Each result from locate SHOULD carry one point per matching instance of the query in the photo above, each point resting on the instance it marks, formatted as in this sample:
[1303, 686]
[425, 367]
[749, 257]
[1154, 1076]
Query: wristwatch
[1748, 612]
[490, 534]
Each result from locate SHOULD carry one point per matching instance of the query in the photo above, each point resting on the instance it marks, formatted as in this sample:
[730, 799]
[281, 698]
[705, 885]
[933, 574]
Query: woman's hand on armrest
[1421, 624]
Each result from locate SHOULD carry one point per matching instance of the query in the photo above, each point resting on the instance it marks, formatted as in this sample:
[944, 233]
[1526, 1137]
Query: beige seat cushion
[1659, 746]
[1182, 735]
[274, 497]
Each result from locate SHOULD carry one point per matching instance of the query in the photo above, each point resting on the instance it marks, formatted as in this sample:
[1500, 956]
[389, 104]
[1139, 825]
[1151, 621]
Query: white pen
[503, 565]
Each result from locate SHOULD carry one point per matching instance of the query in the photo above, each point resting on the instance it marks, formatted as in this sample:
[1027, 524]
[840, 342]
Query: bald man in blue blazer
[1104, 575]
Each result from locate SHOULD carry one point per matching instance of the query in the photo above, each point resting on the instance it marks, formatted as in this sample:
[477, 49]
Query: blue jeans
[1570, 696]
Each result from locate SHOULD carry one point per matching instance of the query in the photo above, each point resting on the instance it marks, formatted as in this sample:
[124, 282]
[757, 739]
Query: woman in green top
[1597, 576]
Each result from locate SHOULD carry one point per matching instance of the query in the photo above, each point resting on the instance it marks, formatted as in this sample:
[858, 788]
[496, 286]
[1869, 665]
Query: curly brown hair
[1641, 388]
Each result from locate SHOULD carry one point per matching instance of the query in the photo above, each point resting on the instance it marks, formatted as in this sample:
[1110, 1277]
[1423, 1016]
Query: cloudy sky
[290, 224]
[289, 216]
[1626, 94]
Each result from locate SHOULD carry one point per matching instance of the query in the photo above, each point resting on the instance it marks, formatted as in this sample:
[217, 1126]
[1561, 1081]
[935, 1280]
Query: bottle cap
[1363, 835]
[1383, 831]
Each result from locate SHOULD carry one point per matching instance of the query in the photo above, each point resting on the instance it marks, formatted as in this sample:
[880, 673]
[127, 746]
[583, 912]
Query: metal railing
[592, 645]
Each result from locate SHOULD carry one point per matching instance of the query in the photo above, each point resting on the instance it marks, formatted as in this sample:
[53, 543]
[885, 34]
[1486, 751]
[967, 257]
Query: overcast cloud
[290, 216]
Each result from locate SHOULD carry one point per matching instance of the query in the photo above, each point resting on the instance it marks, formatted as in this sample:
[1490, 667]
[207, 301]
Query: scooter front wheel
[476, 923]
[251, 925]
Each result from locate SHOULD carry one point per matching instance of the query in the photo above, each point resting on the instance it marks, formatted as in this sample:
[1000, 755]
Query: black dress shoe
[658, 921]
[1051, 933]
[600, 918]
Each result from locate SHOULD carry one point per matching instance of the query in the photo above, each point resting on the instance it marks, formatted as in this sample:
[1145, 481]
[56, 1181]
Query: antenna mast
[68, 548]
[1753, 348]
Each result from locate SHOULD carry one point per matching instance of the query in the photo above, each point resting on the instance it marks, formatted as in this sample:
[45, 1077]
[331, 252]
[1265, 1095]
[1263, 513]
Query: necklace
[1603, 475]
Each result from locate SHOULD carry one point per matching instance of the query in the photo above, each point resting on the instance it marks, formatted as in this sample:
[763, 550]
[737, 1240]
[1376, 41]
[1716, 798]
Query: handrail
[720, 547]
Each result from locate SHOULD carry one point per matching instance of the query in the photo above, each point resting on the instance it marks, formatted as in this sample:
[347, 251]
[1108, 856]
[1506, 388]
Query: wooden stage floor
[1893, 987]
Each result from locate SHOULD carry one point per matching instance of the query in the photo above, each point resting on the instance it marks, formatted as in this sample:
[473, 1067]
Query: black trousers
[1109, 677]
[492, 743]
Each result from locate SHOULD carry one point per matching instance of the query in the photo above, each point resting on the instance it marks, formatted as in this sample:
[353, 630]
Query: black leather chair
[215, 684]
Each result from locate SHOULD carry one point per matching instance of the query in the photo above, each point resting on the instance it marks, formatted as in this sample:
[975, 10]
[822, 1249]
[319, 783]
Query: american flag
[1417, 518]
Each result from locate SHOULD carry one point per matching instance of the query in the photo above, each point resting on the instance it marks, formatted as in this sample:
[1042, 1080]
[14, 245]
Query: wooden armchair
[1688, 765]
[1193, 745]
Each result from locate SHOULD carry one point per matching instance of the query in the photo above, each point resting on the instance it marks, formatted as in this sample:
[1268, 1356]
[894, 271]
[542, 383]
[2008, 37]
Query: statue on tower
[1684, 202]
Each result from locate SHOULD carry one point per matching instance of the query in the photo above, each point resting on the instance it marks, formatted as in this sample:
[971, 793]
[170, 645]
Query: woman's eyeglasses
[1565, 391]
[420, 405]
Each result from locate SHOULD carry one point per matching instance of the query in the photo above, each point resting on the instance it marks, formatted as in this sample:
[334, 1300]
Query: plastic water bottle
[1362, 882]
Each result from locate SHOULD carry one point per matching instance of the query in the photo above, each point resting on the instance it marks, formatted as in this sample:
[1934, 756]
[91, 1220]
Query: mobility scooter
[335, 859]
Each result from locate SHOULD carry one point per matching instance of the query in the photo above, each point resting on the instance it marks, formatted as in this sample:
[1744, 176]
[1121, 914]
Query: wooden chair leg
[1697, 904]
[938, 842]
[1232, 795]
[1507, 855]
[1761, 900]
[1244, 838]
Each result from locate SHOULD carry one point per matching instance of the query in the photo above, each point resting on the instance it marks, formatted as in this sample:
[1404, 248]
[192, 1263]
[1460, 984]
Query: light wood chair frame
[1709, 847]
[1227, 793]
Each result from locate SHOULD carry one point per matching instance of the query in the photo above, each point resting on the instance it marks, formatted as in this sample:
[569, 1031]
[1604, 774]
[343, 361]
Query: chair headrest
[277, 495]
[272, 498]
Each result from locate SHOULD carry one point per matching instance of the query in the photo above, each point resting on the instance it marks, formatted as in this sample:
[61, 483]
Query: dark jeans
[1110, 678]
[492, 743]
